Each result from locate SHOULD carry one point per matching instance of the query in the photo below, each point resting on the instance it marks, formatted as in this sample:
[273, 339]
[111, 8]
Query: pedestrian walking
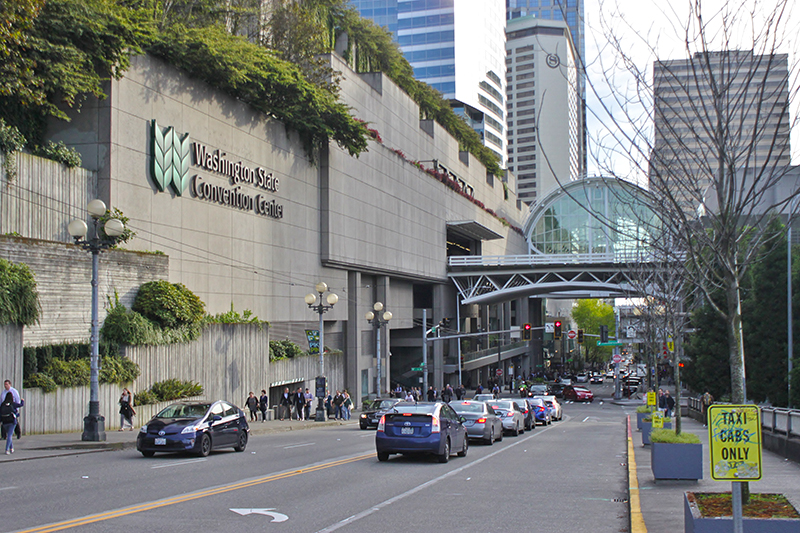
[705, 402]
[309, 403]
[8, 389]
[431, 394]
[329, 404]
[263, 404]
[299, 399]
[662, 401]
[10, 402]
[338, 401]
[126, 411]
[459, 391]
[669, 404]
[285, 404]
[347, 405]
[252, 405]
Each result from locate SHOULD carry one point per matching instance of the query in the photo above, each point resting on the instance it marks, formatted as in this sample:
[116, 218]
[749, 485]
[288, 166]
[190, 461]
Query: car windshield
[183, 410]
[501, 405]
[467, 407]
[415, 408]
[537, 401]
[383, 404]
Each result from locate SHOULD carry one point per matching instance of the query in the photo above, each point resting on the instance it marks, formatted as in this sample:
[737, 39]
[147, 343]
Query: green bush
[41, 381]
[123, 326]
[643, 409]
[170, 305]
[69, 373]
[60, 153]
[233, 317]
[649, 419]
[144, 398]
[118, 370]
[669, 435]
[174, 389]
[284, 349]
[19, 301]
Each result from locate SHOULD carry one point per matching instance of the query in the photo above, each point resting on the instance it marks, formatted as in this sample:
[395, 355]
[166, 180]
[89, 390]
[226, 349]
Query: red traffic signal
[526, 332]
[557, 330]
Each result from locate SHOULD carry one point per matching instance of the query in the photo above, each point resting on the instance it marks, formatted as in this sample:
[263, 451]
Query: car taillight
[509, 414]
[435, 427]
[382, 423]
[525, 412]
[480, 421]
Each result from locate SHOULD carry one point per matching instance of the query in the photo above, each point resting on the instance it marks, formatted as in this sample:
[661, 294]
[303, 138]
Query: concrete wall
[11, 355]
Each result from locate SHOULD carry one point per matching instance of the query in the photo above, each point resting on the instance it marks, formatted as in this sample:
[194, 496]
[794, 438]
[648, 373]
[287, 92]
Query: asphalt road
[569, 476]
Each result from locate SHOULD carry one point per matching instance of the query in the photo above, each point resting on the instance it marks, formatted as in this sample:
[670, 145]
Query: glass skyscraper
[458, 48]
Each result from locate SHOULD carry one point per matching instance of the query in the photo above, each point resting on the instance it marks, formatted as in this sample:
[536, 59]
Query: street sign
[416, 369]
[499, 372]
[571, 334]
[657, 420]
[610, 343]
[617, 358]
[734, 436]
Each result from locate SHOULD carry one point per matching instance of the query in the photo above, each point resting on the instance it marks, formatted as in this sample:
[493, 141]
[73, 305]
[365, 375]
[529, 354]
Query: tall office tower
[458, 48]
[571, 12]
[749, 108]
[545, 127]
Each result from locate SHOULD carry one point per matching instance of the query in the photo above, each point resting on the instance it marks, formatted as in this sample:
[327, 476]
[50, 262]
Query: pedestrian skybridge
[586, 240]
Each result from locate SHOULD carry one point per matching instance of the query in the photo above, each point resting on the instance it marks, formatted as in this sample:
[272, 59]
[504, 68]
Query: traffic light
[580, 336]
[526, 332]
[603, 333]
[557, 330]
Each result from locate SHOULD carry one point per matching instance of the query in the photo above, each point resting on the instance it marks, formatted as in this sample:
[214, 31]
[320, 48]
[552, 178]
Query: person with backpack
[10, 402]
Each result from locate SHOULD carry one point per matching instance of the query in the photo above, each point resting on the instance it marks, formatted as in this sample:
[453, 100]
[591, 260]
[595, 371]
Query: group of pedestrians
[257, 405]
[295, 405]
[666, 402]
[10, 402]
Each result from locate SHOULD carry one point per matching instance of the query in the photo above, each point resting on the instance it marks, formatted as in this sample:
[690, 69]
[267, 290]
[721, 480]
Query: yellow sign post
[658, 420]
[651, 398]
[734, 436]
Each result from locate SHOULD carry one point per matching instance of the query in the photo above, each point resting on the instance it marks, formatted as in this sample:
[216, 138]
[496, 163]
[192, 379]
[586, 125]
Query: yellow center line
[637, 520]
[189, 497]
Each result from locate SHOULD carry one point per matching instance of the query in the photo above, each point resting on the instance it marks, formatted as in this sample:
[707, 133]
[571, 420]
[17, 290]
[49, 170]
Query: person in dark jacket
[669, 403]
[252, 405]
[285, 404]
[263, 404]
[299, 403]
[338, 401]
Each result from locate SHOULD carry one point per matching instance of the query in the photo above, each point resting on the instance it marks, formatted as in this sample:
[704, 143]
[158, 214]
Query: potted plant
[647, 427]
[642, 412]
[712, 512]
[675, 456]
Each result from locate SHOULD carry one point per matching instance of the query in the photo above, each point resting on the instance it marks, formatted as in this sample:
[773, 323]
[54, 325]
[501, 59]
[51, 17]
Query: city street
[566, 476]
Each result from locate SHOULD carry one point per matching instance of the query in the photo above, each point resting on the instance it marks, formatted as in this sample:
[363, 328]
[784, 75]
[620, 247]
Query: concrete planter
[695, 523]
[647, 428]
[670, 460]
[639, 418]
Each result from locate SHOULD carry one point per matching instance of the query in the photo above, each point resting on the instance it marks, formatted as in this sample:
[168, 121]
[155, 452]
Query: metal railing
[776, 420]
[548, 259]
[471, 356]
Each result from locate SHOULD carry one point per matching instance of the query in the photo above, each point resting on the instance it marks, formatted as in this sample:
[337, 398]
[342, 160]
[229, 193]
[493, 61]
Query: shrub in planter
[642, 412]
[675, 456]
[647, 427]
[711, 512]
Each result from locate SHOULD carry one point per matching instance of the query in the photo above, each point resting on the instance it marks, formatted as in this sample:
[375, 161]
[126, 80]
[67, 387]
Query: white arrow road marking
[276, 517]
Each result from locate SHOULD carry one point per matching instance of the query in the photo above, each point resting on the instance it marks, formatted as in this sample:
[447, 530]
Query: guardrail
[547, 259]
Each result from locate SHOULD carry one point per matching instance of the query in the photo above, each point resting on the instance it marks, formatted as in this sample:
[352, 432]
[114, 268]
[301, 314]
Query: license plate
[161, 441]
[406, 431]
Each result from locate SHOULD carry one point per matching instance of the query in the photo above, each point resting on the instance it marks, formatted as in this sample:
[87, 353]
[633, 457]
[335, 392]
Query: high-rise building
[732, 98]
[458, 48]
[545, 127]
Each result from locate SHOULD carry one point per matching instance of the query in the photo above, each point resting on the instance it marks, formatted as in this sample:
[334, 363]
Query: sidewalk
[59, 444]
[662, 502]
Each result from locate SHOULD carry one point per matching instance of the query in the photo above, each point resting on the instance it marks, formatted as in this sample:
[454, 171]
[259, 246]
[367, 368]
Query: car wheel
[446, 455]
[205, 445]
[362, 426]
[148, 453]
[500, 436]
[491, 438]
[242, 442]
[463, 452]
[516, 430]
[383, 456]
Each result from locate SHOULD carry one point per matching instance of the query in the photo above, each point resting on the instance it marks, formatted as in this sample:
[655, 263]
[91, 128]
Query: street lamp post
[378, 320]
[94, 424]
[320, 308]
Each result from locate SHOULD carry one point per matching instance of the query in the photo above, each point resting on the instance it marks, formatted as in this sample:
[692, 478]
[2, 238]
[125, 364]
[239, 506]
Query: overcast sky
[650, 29]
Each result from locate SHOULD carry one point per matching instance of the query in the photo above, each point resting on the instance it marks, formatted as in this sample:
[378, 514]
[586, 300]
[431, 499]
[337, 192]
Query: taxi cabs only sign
[734, 435]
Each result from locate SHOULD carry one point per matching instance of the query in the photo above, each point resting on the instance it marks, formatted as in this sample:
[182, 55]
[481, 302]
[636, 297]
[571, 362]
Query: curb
[635, 517]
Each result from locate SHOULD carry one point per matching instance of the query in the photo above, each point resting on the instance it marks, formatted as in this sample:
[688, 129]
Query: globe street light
[378, 320]
[321, 307]
[94, 424]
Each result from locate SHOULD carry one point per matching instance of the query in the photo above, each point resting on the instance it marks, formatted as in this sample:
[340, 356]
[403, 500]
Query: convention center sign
[246, 188]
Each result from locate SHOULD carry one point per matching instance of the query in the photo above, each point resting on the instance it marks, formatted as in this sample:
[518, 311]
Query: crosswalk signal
[557, 330]
[526, 332]
[580, 336]
[603, 333]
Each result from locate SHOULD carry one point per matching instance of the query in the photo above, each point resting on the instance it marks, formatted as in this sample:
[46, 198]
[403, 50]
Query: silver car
[555, 406]
[510, 415]
[483, 397]
[481, 420]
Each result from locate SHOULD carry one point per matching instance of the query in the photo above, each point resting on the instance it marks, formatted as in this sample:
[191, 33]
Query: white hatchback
[551, 400]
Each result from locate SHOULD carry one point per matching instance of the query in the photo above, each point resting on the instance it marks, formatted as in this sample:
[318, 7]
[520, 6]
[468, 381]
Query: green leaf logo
[181, 151]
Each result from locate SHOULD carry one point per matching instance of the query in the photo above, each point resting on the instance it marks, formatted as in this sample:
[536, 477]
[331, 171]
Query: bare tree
[710, 132]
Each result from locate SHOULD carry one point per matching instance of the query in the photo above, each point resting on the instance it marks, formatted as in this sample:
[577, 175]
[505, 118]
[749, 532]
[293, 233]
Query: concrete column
[439, 294]
[382, 295]
[353, 348]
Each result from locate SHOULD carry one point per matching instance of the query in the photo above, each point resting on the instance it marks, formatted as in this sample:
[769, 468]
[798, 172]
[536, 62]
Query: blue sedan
[431, 428]
[195, 427]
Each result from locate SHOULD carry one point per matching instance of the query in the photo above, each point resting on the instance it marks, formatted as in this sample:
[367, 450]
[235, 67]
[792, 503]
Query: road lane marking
[636, 517]
[7, 488]
[375, 508]
[299, 445]
[187, 462]
[99, 517]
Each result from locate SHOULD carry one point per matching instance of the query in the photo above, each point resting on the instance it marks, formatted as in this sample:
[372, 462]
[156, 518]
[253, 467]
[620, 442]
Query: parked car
[527, 412]
[541, 411]
[483, 397]
[480, 420]
[578, 394]
[195, 427]
[377, 408]
[556, 412]
[421, 428]
[610, 374]
[538, 388]
[583, 378]
[596, 378]
[510, 414]
[557, 390]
